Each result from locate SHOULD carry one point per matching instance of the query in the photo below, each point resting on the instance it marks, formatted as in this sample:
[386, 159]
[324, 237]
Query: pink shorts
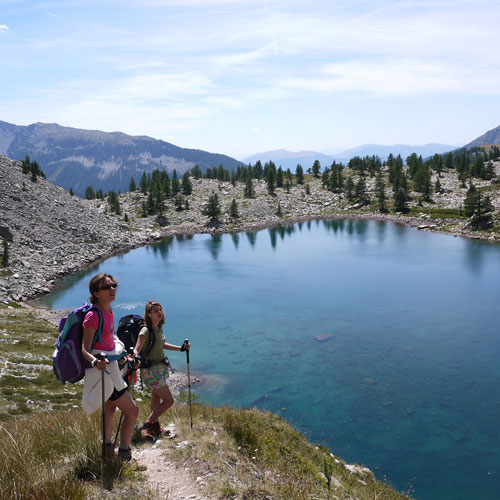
[155, 377]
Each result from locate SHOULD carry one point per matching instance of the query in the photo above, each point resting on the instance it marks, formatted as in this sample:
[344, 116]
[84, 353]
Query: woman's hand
[101, 364]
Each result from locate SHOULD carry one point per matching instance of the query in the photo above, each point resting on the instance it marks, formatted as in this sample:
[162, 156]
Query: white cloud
[225, 102]
[3, 27]
[389, 77]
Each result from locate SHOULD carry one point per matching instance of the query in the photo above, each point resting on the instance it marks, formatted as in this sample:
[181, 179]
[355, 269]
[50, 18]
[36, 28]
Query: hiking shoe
[157, 429]
[147, 432]
[109, 450]
[125, 455]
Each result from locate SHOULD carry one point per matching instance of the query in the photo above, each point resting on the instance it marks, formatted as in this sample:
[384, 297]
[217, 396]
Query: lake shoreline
[55, 274]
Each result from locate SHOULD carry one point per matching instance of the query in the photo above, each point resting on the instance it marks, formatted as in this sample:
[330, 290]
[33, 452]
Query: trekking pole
[100, 357]
[189, 382]
[136, 359]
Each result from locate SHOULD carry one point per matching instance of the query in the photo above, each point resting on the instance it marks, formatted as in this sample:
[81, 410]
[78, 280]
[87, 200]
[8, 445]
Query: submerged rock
[323, 337]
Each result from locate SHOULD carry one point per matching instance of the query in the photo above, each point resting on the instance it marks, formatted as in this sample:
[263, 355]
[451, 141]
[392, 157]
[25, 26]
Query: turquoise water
[405, 378]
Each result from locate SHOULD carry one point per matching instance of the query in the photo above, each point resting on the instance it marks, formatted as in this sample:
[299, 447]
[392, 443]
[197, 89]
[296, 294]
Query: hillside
[490, 137]
[77, 158]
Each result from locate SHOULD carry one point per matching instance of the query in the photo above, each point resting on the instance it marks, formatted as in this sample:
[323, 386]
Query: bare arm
[88, 335]
[141, 339]
[172, 347]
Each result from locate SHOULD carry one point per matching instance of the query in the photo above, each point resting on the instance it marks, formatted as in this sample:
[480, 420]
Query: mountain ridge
[76, 158]
[289, 159]
[490, 137]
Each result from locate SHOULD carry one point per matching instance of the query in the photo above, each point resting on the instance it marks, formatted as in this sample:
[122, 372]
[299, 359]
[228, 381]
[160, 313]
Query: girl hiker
[154, 368]
[102, 289]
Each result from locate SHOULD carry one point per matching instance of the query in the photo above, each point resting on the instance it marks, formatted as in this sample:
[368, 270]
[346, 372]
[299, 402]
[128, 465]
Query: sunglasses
[108, 287]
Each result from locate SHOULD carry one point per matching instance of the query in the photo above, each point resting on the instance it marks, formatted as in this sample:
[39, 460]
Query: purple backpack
[67, 359]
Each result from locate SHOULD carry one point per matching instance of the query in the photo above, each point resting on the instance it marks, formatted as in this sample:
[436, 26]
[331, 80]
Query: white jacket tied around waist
[113, 379]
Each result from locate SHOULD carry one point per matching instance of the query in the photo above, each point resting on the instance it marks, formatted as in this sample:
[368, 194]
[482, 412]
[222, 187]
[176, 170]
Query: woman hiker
[156, 374]
[102, 289]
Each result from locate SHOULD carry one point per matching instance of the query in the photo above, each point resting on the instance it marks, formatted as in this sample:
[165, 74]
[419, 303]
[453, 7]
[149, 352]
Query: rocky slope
[52, 234]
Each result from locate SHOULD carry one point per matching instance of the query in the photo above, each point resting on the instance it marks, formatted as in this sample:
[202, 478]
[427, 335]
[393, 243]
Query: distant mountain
[289, 159]
[78, 158]
[383, 152]
[490, 137]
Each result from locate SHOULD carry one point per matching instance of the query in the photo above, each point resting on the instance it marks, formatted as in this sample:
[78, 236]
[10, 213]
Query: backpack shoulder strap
[152, 339]
[98, 332]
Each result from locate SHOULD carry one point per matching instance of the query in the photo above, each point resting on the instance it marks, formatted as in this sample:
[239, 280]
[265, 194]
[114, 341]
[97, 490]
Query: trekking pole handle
[183, 348]
[137, 358]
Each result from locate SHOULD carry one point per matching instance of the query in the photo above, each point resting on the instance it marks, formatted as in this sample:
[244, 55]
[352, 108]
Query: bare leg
[161, 401]
[109, 410]
[130, 413]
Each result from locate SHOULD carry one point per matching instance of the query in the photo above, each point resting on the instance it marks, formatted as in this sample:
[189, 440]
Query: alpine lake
[374, 339]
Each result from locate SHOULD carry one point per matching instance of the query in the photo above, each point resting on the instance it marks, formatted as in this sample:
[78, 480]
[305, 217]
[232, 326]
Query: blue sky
[241, 77]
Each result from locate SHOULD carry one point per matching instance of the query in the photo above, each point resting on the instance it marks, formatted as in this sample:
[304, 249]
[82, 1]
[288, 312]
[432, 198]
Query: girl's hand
[101, 364]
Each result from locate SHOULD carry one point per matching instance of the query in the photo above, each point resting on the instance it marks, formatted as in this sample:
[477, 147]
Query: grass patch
[257, 455]
[48, 456]
[439, 213]
[26, 366]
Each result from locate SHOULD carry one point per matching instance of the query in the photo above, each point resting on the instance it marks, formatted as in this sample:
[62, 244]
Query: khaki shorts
[155, 377]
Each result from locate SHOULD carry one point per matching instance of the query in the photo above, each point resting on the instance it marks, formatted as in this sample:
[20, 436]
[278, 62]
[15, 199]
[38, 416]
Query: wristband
[94, 362]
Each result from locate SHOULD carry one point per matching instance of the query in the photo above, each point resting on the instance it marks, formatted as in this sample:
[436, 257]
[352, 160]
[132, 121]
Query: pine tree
[176, 186]
[212, 208]
[143, 183]
[437, 186]
[279, 178]
[249, 191]
[179, 202]
[26, 165]
[308, 189]
[380, 192]
[196, 172]
[279, 212]
[187, 186]
[360, 190]
[349, 188]
[132, 186]
[478, 207]
[299, 174]
[400, 201]
[270, 181]
[316, 168]
[89, 193]
[233, 209]
[71, 192]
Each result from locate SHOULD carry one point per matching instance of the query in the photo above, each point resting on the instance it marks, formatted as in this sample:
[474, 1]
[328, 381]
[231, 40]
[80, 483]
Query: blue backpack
[67, 360]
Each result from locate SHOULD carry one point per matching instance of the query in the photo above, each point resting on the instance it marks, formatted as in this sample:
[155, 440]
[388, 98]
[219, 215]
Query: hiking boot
[157, 429]
[125, 455]
[147, 432]
[109, 450]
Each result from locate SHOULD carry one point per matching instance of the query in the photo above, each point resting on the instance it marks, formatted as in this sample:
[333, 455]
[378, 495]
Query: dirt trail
[168, 480]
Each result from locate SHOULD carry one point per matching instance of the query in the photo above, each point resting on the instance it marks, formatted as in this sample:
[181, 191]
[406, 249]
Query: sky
[241, 77]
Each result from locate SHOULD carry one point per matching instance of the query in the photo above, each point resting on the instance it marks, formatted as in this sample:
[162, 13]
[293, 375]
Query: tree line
[403, 177]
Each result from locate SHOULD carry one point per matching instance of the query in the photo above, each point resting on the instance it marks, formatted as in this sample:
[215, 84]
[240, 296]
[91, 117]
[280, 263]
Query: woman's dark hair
[95, 285]
[147, 311]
